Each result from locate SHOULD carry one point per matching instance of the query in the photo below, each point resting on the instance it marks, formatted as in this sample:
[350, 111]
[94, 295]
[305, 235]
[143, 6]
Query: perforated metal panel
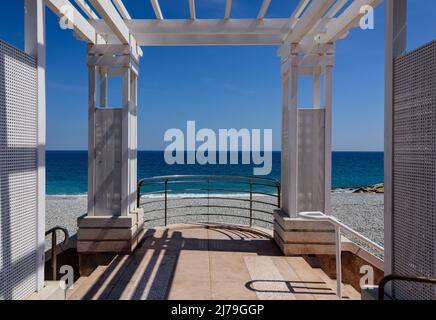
[311, 133]
[18, 178]
[414, 171]
[108, 140]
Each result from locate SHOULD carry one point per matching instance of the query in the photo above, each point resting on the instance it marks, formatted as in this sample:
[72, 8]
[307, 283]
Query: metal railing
[54, 240]
[319, 216]
[240, 189]
[393, 277]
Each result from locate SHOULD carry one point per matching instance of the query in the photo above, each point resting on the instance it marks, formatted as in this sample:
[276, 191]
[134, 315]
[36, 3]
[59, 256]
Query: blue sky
[219, 87]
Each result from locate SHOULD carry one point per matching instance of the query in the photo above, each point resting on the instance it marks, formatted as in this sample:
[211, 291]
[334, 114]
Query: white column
[328, 91]
[103, 87]
[92, 104]
[134, 141]
[126, 174]
[289, 167]
[316, 87]
[34, 35]
[395, 45]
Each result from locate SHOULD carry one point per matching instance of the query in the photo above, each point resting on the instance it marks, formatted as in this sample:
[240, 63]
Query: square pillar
[113, 224]
[306, 154]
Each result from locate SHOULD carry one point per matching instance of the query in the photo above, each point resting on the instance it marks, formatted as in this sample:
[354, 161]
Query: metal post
[53, 254]
[338, 262]
[251, 204]
[279, 191]
[138, 196]
[166, 201]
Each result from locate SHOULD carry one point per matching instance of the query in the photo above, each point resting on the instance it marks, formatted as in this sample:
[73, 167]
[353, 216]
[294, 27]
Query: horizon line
[155, 150]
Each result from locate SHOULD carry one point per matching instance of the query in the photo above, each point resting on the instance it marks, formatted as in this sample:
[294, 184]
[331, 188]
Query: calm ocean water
[67, 170]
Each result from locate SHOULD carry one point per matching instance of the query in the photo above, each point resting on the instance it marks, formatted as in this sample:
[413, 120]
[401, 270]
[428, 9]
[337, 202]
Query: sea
[67, 170]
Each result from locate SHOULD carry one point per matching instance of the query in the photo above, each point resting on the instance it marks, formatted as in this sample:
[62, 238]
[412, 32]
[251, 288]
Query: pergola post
[306, 153]
[35, 45]
[114, 224]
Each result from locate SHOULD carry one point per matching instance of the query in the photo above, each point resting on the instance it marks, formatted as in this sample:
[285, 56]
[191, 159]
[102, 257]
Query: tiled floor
[207, 263]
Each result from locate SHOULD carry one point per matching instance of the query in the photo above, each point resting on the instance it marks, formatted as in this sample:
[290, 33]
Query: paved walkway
[215, 263]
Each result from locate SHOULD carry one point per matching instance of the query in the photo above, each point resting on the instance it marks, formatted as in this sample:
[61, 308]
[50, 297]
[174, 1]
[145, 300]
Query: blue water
[67, 170]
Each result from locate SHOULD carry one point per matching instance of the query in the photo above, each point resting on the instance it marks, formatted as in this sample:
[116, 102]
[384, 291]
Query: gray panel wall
[414, 171]
[108, 139]
[311, 153]
[18, 175]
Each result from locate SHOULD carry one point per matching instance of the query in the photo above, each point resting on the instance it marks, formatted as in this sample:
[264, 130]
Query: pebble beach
[361, 211]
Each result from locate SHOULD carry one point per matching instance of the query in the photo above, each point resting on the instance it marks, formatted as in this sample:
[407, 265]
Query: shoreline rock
[377, 188]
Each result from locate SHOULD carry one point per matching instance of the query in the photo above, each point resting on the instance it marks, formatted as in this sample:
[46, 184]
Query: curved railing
[240, 193]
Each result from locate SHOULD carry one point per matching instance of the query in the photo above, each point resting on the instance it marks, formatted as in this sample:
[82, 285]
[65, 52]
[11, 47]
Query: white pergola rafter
[192, 9]
[263, 9]
[86, 9]
[310, 19]
[80, 25]
[122, 9]
[157, 10]
[228, 9]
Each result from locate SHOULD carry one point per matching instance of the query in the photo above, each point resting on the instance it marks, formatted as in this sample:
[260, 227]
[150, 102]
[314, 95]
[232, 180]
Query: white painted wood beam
[264, 9]
[122, 9]
[209, 40]
[297, 12]
[35, 45]
[150, 32]
[86, 9]
[340, 26]
[157, 10]
[174, 27]
[336, 8]
[309, 20]
[228, 9]
[107, 10]
[81, 26]
[192, 9]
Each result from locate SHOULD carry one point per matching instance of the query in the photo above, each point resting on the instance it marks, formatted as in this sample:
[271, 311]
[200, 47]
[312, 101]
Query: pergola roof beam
[192, 9]
[149, 32]
[107, 10]
[310, 19]
[340, 26]
[86, 9]
[263, 9]
[200, 27]
[156, 8]
[122, 9]
[336, 8]
[228, 9]
[81, 26]
[298, 11]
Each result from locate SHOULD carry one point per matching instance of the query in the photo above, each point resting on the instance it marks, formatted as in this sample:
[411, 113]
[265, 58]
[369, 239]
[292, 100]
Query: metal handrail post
[166, 202]
[278, 196]
[138, 195]
[251, 204]
[338, 262]
[53, 254]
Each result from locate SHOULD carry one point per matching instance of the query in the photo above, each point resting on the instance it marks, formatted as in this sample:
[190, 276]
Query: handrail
[167, 185]
[53, 232]
[392, 277]
[317, 215]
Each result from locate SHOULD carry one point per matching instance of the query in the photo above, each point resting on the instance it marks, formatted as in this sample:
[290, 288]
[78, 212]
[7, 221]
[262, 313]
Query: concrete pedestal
[100, 238]
[297, 236]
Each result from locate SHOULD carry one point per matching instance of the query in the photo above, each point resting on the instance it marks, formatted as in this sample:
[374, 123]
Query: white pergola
[306, 42]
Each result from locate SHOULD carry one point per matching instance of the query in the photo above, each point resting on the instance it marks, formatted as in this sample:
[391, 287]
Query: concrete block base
[52, 290]
[298, 236]
[100, 238]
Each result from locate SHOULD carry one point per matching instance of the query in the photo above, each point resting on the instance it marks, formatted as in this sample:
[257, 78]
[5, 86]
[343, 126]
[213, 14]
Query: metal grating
[108, 140]
[414, 171]
[311, 127]
[18, 176]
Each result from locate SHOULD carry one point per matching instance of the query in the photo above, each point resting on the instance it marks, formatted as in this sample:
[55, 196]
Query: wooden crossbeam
[228, 9]
[156, 8]
[263, 10]
[192, 9]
